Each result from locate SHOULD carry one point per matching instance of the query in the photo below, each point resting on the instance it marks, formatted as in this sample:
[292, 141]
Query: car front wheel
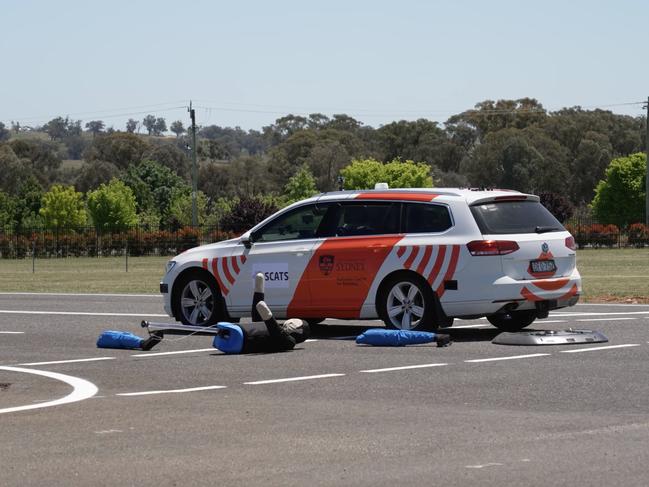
[197, 301]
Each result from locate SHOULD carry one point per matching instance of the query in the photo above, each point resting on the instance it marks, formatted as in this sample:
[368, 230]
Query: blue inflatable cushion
[119, 339]
[394, 338]
[231, 340]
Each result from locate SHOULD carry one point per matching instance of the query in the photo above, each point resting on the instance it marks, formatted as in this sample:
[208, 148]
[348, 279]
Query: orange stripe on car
[235, 265]
[413, 255]
[215, 271]
[450, 271]
[205, 263]
[401, 251]
[551, 284]
[424, 260]
[226, 270]
[441, 253]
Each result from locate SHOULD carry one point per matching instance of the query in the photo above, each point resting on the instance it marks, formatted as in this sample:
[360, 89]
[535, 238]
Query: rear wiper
[546, 229]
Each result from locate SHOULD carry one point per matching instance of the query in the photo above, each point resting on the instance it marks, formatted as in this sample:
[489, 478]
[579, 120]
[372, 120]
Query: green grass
[608, 275]
[614, 274]
[83, 274]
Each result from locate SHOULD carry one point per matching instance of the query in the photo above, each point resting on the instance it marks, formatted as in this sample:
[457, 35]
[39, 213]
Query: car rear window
[425, 218]
[505, 217]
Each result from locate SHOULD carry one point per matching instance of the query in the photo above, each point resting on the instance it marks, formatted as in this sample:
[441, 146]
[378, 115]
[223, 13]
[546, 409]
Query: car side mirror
[247, 242]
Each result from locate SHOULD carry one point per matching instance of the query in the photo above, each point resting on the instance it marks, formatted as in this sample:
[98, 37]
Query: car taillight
[570, 243]
[492, 247]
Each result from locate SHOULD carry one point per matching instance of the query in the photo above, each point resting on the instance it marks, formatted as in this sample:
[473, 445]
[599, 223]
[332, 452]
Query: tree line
[514, 144]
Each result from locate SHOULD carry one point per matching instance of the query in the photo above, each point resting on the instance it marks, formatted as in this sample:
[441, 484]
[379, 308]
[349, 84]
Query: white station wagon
[415, 258]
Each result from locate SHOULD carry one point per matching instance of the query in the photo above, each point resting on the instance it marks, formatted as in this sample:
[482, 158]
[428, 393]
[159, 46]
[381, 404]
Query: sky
[247, 63]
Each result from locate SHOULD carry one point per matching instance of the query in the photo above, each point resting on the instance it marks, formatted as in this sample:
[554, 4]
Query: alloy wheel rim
[405, 306]
[197, 302]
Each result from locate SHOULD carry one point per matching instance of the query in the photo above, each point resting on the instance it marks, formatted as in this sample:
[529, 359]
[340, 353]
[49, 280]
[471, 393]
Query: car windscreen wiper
[546, 229]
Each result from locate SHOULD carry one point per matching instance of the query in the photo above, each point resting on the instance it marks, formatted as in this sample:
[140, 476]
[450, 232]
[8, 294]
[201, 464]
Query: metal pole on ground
[126, 253]
[192, 114]
[33, 256]
[646, 209]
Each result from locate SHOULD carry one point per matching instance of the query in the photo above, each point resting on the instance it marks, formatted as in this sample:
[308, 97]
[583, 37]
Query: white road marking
[143, 355]
[75, 313]
[613, 313]
[540, 322]
[607, 319]
[108, 432]
[71, 361]
[171, 391]
[466, 326]
[12, 332]
[293, 379]
[591, 349]
[512, 357]
[82, 389]
[484, 465]
[309, 340]
[407, 367]
[84, 294]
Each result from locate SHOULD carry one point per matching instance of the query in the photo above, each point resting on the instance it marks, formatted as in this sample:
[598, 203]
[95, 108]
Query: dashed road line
[82, 389]
[607, 319]
[144, 355]
[110, 295]
[12, 332]
[511, 357]
[171, 391]
[613, 313]
[406, 367]
[292, 379]
[592, 349]
[96, 359]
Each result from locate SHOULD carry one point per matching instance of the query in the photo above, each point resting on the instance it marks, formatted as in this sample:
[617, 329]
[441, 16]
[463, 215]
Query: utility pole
[192, 114]
[646, 177]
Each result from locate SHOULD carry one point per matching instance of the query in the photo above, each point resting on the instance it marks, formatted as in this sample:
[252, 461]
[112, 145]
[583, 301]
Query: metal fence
[90, 242]
[141, 241]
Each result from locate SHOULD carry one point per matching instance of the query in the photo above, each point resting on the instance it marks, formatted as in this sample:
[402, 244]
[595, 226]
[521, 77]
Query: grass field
[620, 275]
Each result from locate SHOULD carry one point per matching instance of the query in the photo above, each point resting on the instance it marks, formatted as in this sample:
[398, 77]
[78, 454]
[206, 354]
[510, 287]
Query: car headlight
[169, 265]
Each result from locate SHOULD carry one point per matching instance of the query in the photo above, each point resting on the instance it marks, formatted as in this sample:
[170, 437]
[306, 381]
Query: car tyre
[513, 320]
[406, 302]
[198, 300]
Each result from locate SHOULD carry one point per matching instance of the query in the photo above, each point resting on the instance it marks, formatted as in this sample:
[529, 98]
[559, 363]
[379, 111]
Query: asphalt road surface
[328, 413]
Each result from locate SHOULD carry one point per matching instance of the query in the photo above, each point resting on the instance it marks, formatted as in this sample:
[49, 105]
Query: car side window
[426, 218]
[301, 223]
[355, 219]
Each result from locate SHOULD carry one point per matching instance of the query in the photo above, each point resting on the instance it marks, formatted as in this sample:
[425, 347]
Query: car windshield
[509, 217]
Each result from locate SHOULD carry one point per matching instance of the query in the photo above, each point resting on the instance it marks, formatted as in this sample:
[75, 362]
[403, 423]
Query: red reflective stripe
[424, 260]
[243, 259]
[412, 257]
[455, 253]
[438, 264]
[551, 285]
[215, 271]
[226, 270]
[401, 251]
[573, 292]
[397, 196]
[205, 264]
[235, 266]
[529, 295]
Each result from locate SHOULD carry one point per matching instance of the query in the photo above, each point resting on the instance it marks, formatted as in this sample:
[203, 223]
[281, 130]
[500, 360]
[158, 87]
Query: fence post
[33, 256]
[126, 252]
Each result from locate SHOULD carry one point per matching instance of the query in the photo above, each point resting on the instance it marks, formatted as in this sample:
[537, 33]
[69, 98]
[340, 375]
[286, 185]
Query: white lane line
[171, 391]
[82, 389]
[143, 355]
[512, 357]
[615, 313]
[71, 361]
[84, 294]
[607, 319]
[407, 367]
[292, 379]
[484, 465]
[75, 313]
[540, 322]
[12, 332]
[591, 349]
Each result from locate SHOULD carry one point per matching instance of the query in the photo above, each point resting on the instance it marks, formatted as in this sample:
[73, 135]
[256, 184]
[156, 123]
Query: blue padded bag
[394, 338]
[119, 339]
[232, 340]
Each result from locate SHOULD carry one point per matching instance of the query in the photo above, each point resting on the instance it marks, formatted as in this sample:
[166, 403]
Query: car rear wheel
[406, 303]
[513, 320]
[198, 301]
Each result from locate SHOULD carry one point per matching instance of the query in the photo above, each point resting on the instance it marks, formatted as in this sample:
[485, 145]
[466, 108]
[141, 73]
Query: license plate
[543, 266]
